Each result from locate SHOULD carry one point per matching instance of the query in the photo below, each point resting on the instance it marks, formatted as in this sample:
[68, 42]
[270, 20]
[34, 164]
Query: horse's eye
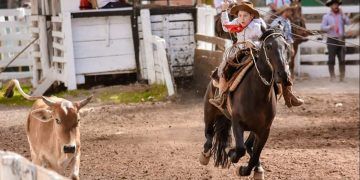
[268, 47]
[57, 120]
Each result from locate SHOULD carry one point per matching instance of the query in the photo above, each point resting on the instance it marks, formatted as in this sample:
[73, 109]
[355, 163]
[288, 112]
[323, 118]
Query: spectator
[333, 24]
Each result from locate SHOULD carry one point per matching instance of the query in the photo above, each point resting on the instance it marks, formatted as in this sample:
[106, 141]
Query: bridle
[267, 59]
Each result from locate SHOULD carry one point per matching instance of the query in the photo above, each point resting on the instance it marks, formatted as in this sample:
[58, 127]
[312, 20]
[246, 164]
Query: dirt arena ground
[319, 140]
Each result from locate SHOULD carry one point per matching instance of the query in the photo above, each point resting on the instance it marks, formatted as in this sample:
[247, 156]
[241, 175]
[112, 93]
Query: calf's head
[66, 118]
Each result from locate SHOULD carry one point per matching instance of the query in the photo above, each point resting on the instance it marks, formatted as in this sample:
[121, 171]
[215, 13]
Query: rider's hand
[224, 5]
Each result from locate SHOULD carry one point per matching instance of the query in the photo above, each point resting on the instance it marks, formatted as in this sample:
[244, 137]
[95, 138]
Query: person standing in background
[333, 23]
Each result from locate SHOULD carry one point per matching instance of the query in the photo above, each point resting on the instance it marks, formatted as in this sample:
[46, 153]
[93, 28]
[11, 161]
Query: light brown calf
[53, 132]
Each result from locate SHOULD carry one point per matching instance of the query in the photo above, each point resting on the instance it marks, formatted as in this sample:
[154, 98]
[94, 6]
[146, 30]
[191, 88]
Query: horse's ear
[263, 29]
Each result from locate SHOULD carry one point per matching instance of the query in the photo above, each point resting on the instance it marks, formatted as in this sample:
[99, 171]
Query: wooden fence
[14, 166]
[207, 60]
[177, 27]
[14, 37]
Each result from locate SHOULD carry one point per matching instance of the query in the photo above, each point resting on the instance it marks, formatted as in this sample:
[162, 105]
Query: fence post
[164, 64]
[205, 24]
[147, 39]
[43, 43]
[69, 69]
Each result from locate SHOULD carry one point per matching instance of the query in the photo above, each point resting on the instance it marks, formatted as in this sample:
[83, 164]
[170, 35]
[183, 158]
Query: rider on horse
[284, 13]
[248, 29]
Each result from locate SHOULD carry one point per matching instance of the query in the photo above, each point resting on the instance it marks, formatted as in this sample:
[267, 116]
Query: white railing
[58, 65]
[313, 53]
[14, 37]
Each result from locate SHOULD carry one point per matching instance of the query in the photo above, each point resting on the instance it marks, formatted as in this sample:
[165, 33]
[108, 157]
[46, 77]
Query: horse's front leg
[240, 150]
[260, 141]
[206, 154]
[258, 170]
[249, 143]
[292, 60]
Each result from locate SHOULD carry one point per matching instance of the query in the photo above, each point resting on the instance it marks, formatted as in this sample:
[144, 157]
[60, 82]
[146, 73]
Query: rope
[326, 43]
[306, 30]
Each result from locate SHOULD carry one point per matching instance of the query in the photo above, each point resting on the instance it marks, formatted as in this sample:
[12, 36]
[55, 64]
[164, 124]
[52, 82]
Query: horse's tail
[10, 90]
[222, 140]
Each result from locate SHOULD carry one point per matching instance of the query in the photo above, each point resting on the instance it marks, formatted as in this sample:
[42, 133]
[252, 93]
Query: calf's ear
[42, 114]
[83, 102]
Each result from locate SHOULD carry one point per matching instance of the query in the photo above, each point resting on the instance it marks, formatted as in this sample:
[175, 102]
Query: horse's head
[275, 49]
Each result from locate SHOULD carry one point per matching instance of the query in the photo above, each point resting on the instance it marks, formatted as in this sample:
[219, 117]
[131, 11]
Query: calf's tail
[10, 90]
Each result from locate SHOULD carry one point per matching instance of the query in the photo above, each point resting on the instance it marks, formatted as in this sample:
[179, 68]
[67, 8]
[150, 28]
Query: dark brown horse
[299, 31]
[253, 108]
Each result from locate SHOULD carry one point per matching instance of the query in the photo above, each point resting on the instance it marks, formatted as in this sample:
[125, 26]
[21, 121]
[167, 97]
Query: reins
[267, 60]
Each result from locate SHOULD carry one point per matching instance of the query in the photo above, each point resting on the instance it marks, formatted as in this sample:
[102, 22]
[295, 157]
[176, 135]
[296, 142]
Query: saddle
[234, 73]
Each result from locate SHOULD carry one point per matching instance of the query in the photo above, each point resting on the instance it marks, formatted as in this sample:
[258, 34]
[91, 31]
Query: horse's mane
[271, 30]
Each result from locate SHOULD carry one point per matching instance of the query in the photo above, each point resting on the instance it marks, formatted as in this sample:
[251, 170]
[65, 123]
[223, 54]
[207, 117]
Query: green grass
[153, 93]
[146, 94]
[17, 99]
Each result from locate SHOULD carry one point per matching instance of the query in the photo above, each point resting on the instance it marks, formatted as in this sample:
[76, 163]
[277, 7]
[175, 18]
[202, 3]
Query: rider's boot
[218, 100]
[290, 98]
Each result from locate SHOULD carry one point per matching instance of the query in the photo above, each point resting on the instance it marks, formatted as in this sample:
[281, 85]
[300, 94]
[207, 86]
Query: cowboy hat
[245, 6]
[284, 8]
[330, 2]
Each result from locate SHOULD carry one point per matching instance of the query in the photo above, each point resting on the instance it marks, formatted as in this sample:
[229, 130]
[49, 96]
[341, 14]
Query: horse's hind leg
[209, 134]
[240, 150]
[254, 159]
[209, 119]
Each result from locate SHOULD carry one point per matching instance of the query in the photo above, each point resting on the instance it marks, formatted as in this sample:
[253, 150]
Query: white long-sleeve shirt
[251, 33]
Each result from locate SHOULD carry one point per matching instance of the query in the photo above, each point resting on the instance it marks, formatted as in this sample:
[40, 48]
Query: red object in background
[234, 28]
[84, 4]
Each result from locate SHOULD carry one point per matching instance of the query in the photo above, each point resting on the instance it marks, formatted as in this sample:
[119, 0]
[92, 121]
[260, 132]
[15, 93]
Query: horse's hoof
[243, 171]
[204, 158]
[259, 173]
[75, 177]
[232, 155]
